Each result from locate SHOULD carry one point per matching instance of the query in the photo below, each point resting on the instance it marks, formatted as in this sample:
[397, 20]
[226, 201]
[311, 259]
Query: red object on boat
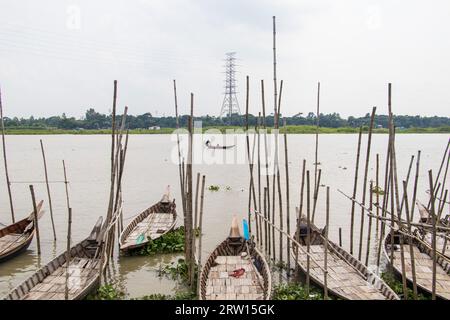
[237, 273]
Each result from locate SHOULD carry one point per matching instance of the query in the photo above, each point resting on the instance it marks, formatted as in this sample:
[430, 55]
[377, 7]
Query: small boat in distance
[348, 278]
[49, 282]
[17, 237]
[235, 270]
[152, 223]
[217, 146]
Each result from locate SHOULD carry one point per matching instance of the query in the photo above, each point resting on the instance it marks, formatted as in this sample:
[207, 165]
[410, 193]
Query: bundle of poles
[192, 210]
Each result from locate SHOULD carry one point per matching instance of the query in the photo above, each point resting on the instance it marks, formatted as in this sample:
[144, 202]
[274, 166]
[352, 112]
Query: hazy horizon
[62, 56]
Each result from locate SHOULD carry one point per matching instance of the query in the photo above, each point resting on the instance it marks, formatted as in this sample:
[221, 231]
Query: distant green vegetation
[301, 129]
[94, 122]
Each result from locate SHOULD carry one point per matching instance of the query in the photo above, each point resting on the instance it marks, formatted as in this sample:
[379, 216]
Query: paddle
[140, 239]
[245, 229]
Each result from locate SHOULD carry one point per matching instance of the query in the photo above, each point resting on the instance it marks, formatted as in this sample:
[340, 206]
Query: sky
[60, 56]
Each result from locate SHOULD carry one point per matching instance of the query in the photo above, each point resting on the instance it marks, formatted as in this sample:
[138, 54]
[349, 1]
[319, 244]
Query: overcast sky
[62, 56]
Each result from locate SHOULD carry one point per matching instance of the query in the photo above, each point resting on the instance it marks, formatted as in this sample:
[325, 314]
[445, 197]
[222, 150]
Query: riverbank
[222, 129]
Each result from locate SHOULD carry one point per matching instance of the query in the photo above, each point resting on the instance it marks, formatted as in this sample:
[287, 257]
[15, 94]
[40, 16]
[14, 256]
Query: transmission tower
[230, 103]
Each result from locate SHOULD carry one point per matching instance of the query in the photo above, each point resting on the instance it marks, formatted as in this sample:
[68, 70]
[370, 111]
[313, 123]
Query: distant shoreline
[290, 130]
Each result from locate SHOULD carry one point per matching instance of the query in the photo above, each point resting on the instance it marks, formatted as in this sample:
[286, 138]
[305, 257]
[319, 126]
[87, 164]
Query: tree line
[95, 120]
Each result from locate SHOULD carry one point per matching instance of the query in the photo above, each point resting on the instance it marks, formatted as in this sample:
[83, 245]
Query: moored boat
[235, 270]
[347, 277]
[150, 224]
[49, 282]
[17, 237]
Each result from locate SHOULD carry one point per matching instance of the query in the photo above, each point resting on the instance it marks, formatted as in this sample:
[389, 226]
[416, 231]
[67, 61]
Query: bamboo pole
[36, 220]
[265, 223]
[113, 145]
[48, 190]
[369, 231]
[355, 186]
[188, 226]
[5, 162]
[316, 159]
[377, 182]
[366, 171]
[387, 178]
[411, 246]
[308, 231]
[297, 231]
[275, 115]
[444, 180]
[180, 163]
[288, 221]
[258, 225]
[316, 195]
[196, 201]
[433, 242]
[373, 215]
[200, 230]
[69, 233]
[327, 228]
[250, 158]
[266, 156]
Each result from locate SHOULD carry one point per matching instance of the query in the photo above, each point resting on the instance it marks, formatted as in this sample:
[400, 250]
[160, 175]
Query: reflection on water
[148, 171]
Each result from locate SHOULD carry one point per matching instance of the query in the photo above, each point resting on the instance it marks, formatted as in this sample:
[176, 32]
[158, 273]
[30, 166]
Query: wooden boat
[423, 265]
[49, 282]
[348, 278]
[152, 223]
[425, 233]
[17, 237]
[209, 146]
[235, 270]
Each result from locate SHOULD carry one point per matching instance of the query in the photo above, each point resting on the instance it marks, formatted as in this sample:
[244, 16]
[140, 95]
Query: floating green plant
[378, 190]
[213, 188]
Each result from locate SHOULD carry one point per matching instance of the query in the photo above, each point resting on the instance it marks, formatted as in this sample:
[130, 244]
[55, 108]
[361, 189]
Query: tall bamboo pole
[369, 231]
[327, 228]
[355, 186]
[36, 220]
[366, 172]
[69, 233]
[275, 109]
[180, 163]
[300, 212]
[308, 231]
[48, 190]
[188, 226]
[8, 183]
[316, 153]
[416, 179]
[288, 221]
[387, 178]
[377, 182]
[196, 201]
[433, 239]
[200, 230]
[411, 245]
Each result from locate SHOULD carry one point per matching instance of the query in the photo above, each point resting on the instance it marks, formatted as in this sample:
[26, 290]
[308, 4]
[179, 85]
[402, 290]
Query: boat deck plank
[221, 286]
[152, 227]
[81, 272]
[424, 270]
[342, 277]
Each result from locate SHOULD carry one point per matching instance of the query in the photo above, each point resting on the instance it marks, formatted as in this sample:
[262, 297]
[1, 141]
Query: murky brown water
[149, 169]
